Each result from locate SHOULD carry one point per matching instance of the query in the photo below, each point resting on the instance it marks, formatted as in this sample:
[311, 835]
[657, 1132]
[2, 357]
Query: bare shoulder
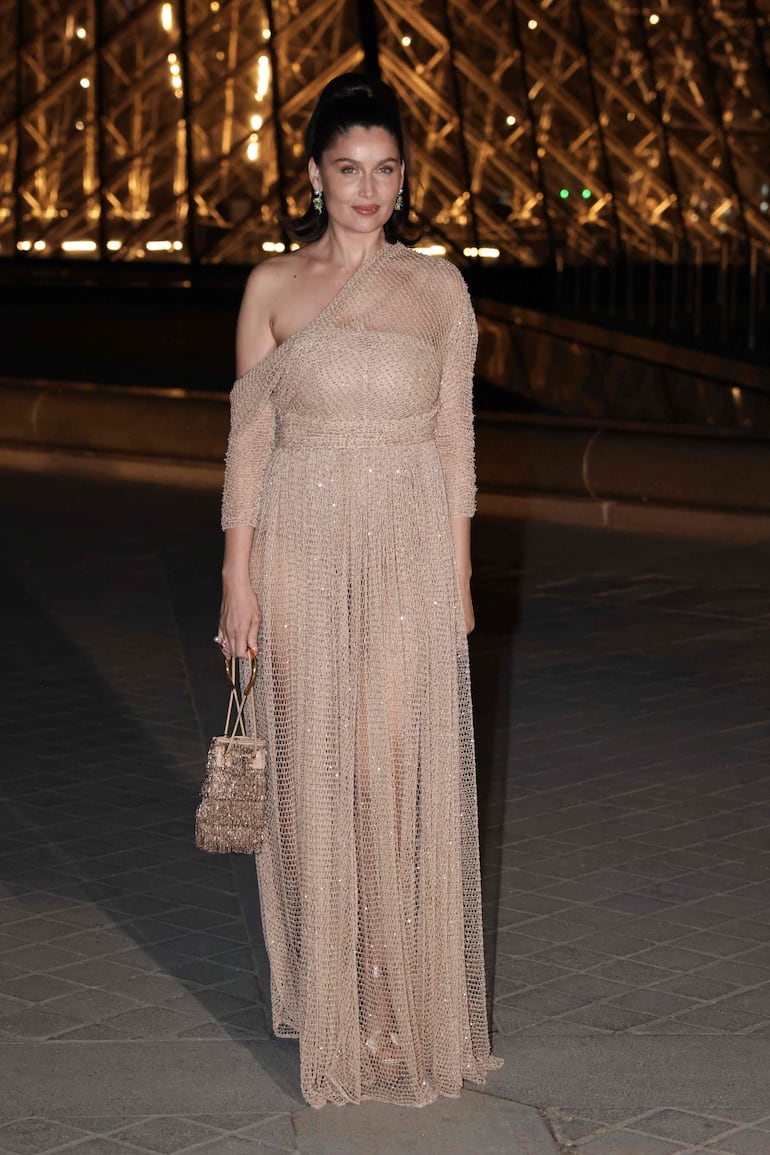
[254, 336]
[269, 277]
[269, 287]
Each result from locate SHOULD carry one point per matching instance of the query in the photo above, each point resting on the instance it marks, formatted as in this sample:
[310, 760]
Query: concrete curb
[622, 516]
[594, 461]
[627, 516]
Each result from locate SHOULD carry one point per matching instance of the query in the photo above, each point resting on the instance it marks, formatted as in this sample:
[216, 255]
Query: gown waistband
[361, 433]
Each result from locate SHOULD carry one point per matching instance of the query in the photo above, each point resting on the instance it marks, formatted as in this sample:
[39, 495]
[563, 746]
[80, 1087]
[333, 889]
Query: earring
[318, 200]
[398, 206]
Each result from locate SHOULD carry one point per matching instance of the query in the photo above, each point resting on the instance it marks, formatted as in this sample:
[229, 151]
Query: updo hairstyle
[351, 101]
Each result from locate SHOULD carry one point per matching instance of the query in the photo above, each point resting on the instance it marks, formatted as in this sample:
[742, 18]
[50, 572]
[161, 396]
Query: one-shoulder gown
[351, 446]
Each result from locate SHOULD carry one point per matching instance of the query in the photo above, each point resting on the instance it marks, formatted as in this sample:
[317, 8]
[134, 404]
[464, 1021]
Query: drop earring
[318, 201]
[398, 206]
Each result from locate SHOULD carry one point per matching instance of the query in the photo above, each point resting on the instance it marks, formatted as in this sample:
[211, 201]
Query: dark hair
[351, 101]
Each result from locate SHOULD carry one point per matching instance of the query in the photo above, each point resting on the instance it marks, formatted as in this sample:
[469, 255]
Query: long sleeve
[454, 429]
[251, 441]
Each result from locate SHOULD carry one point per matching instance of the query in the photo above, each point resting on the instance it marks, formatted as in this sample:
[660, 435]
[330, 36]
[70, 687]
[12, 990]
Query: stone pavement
[622, 694]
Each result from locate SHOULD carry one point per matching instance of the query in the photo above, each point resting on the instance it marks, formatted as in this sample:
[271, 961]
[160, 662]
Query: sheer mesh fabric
[350, 446]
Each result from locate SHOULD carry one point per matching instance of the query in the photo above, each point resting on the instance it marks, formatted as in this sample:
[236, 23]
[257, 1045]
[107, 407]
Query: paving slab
[148, 1078]
[449, 1127]
[607, 1072]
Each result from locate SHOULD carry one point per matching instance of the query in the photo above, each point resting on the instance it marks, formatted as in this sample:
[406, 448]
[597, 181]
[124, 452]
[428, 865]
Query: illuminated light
[172, 58]
[220, 55]
[79, 125]
[39, 246]
[564, 193]
[214, 5]
[166, 17]
[431, 250]
[85, 82]
[630, 116]
[176, 81]
[586, 194]
[177, 246]
[266, 33]
[24, 246]
[764, 206]
[256, 122]
[175, 69]
[81, 33]
[114, 246]
[654, 18]
[406, 41]
[252, 150]
[294, 246]
[273, 246]
[78, 246]
[510, 121]
[263, 77]
[178, 94]
[159, 246]
[487, 252]
[532, 25]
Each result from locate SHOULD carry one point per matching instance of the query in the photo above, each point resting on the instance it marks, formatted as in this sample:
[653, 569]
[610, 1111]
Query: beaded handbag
[230, 818]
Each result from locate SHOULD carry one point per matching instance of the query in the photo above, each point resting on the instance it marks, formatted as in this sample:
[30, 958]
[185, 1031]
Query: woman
[349, 491]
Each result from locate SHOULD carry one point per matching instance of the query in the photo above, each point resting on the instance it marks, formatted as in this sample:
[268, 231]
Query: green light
[586, 194]
[564, 193]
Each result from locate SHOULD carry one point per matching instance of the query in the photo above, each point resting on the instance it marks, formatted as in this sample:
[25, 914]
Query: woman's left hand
[461, 545]
[470, 619]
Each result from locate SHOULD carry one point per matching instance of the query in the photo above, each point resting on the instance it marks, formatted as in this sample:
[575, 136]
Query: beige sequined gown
[350, 446]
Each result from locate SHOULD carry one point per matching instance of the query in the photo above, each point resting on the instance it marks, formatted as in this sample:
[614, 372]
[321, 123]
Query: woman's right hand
[239, 619]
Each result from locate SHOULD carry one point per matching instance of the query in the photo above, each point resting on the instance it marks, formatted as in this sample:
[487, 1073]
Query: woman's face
[360, 174]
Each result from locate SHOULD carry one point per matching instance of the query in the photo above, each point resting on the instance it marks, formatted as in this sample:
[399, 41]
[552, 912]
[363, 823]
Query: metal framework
[541, 130]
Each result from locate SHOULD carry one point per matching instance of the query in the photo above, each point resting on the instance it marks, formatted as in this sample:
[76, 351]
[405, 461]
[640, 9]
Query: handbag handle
[240, 700]
[230, 665]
